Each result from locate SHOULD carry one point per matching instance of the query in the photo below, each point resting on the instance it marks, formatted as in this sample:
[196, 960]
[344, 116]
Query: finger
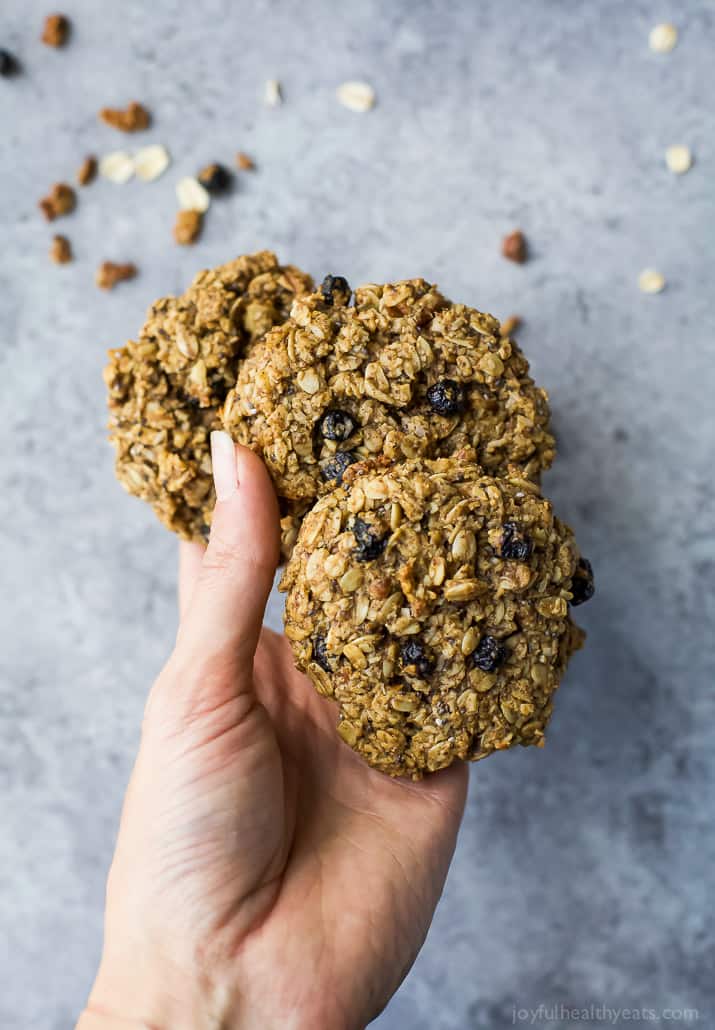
[191, 556]
[225, 612]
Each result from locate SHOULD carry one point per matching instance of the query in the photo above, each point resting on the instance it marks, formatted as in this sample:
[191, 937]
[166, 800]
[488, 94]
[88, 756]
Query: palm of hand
[313, 861]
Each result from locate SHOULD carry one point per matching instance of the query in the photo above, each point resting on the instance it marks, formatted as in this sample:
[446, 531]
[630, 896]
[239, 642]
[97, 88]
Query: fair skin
[264, 877]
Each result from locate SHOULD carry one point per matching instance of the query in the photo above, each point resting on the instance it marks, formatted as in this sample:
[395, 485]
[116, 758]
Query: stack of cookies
[428, 582]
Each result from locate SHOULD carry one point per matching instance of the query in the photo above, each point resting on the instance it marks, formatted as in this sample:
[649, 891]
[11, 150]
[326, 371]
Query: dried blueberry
[446, 397]
[8, 64]
[336, 425]
[412, 653]
[515, 544]
[489, 654]
[369, 544]
[582, 585]
[335, 467]
[320, 653]
[335, 287]
[215, 178]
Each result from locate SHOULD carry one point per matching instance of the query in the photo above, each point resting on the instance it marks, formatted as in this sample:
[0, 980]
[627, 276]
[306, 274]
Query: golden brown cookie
[402, 372]
[166, 388]
[431, 601]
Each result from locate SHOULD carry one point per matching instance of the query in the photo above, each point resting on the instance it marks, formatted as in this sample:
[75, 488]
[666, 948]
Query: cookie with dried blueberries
[396, 371]
[431, 602]
[166, 387]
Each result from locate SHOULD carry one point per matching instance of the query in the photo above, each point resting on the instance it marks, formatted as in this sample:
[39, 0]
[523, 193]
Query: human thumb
[223, 620]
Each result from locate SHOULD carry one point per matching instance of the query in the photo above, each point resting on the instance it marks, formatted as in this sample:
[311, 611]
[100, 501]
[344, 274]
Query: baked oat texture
[401, 373]
[166, 387]
[431, 602]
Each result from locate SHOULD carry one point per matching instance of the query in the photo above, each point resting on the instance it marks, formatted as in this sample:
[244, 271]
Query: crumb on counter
[187, 227]
[56, 30]
[514, 247]
[109, 274]
[61, 250]
[134, 118]
[215, 178]
[509, 326]
[9, 65]
[87, 171]
[244, 163]
[59, 201]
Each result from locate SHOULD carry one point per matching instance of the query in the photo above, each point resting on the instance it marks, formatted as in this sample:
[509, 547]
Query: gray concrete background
[583, 873]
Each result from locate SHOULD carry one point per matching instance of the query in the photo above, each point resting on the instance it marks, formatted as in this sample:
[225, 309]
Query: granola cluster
[166, 388]
[431, 602]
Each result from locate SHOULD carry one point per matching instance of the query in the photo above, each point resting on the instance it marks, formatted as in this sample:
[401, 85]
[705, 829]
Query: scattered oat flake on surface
[56, 30]
[117, 167]
[356, 96]
[109, 274]
[59, 201]
[87, 171]
[662, 38]
[151, 162]
[514, 247]
[187, 226]
[244, 163]
[272, 95]
[134, 118]
[679, 159]
[191, 195]
[510, 325]
[61, 250]
[650, 281]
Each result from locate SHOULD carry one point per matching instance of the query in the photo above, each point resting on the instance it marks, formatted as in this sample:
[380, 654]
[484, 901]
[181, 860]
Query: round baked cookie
[166, 388]
[431, 601]
[400, 373]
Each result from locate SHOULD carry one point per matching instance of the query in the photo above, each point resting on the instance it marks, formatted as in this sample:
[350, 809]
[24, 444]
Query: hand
[264, 876]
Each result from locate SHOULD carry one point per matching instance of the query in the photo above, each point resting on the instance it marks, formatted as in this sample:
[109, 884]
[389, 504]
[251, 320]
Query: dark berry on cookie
[582, 585]
[413, 657]
[515, 544]
[215, 178]
[320, 653]
[370, 544]
[335, 287]
[446, 397]
[336, 425]
[335, 468]
[489, 655]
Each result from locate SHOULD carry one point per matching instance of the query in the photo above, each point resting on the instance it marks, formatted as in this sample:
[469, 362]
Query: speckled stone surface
[584, 872]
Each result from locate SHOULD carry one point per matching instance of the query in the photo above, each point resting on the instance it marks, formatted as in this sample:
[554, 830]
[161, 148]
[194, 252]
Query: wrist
[155, 1001]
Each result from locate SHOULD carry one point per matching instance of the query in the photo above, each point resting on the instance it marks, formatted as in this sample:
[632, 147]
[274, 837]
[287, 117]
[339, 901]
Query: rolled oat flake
[151, 162]
[191, 195]
[356, 96]
[651, 281]
[272, 96]
[117, 167]
[679, 159]
[662, 38]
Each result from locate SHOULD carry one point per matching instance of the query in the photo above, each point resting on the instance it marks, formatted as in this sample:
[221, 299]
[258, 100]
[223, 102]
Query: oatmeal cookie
[166, 388]
[431, 601]
[401, 373]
